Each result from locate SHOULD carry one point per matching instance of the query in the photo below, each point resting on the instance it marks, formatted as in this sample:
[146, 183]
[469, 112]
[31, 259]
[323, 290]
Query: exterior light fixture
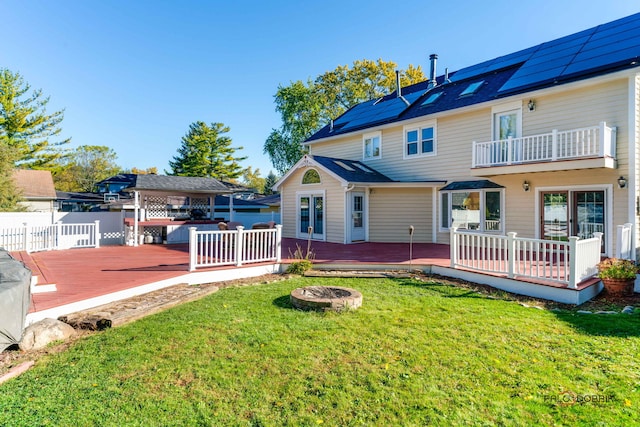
[531, 105]
[622, 182]
[526, 186]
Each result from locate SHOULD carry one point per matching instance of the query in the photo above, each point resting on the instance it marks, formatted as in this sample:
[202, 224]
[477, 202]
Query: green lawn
[416, 353]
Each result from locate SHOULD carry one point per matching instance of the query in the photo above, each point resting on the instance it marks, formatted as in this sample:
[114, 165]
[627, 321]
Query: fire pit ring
[325, 298]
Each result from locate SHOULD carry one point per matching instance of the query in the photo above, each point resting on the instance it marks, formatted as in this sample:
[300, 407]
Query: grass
[415, 353]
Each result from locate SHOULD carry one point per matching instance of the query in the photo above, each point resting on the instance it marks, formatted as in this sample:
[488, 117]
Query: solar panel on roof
[606, 46]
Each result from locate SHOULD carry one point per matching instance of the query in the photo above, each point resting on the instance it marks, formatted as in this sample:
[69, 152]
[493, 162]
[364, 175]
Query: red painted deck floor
[80, 274]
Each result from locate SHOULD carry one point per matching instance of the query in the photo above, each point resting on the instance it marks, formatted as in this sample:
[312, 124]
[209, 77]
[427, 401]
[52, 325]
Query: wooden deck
[90, 274]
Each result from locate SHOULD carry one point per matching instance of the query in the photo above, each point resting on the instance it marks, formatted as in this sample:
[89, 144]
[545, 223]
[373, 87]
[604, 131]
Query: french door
[311, 216]
[572, 213]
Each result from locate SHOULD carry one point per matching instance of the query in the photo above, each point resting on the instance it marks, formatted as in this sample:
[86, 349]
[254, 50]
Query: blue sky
[133, 75]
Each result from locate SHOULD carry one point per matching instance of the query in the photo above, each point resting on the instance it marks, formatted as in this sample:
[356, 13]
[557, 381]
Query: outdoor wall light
[622, 182]
[526, 186]
[532, 105]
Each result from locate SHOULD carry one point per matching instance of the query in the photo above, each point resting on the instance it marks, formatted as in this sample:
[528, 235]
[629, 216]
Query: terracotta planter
[618, 286]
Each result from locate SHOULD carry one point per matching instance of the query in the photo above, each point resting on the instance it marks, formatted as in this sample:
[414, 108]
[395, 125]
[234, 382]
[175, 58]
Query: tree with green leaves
[305, 108]
[269, 182]
[83, 167]
[9, 193]
[207, 152]
[26, 127]
[253, 179]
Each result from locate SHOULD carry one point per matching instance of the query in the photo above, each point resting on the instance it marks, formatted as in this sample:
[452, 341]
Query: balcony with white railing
[591, 147]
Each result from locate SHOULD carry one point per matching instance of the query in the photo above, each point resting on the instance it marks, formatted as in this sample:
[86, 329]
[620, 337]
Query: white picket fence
[567, 263]
[233, 247]
[35, 238]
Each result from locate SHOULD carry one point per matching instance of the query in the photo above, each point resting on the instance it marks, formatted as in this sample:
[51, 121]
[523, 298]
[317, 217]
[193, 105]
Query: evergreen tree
[26, 127]
[269, 182]
[9, 194]
[253, 179]
[206, 152]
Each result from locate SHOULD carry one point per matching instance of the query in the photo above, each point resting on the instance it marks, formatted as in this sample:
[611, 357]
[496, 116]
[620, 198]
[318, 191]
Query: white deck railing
[233, 247]
[624, 241]
[50, 237]
[567, 263]
[596, 141]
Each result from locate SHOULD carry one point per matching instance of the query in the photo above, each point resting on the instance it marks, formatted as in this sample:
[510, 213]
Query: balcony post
[509, 150]
[473, 154]
[554, 145]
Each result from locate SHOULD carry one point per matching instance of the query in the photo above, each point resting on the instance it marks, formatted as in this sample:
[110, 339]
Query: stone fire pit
[325, 298]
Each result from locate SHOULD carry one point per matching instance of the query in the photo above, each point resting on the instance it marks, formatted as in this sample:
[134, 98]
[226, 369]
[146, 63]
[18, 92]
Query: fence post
[453, 247]
[193, 248]
[25, 237]
[278, 242]
[54, 241]
[573, 262]
[239, 239]
[97, 234]
[512, 256]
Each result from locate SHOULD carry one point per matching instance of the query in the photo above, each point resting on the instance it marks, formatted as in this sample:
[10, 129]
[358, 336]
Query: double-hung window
[480, 210]
[420, 140]
[372, 145]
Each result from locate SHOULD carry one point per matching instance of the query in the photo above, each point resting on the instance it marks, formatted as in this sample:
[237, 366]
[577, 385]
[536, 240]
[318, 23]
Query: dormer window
[372, 145]
[472, 88]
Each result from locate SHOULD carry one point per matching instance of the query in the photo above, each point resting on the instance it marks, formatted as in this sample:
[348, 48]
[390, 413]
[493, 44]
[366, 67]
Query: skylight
[472, 88]
[344, 166]
[433, 98]
[363, 168]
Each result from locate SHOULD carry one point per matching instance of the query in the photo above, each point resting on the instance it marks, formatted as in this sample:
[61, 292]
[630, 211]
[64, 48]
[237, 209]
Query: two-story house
[543, 142]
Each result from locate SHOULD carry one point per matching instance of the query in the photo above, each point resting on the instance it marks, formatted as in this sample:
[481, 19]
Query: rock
[628, 309]
[606, 312]
[44, 332]
[583, 312]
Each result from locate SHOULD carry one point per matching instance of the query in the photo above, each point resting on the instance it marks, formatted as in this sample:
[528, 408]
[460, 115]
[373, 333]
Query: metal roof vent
[432, 76]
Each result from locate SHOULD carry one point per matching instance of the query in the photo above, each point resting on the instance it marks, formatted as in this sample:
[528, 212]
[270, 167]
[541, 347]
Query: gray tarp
[15, 297]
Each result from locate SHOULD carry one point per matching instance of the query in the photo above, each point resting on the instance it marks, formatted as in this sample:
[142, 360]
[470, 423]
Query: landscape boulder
[44, 332]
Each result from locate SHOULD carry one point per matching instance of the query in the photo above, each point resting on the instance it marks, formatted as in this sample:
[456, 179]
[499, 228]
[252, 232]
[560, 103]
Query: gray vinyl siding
[393, 210]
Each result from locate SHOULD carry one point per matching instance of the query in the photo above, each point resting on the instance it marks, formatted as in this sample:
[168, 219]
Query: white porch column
[136, 211]
[230, 207]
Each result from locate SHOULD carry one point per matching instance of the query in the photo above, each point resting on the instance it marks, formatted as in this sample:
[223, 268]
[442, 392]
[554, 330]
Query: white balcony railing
[596, 141]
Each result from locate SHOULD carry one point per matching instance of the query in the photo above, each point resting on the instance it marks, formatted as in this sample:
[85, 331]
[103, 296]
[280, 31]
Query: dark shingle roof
[599, 50]
[350, 170]
[178, 183]
[470, 185]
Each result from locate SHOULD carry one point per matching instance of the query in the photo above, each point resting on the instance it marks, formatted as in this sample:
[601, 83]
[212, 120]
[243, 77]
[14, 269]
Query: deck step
[39, 280]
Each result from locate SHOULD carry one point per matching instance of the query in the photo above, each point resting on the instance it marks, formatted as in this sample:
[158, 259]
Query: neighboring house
[68, 201]
[544, 142]
[272, 201]
[36, 188]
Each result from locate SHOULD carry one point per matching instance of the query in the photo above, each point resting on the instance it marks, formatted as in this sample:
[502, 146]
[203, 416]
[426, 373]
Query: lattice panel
[156, 207]
[153, 231]
[200, 203]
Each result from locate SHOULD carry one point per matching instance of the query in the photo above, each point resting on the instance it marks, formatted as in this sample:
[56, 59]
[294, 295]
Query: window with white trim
[478, 210]
[420, 140]
[372, 145]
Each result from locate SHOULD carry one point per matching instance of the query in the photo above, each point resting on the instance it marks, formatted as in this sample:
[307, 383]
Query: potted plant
[618, 275]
